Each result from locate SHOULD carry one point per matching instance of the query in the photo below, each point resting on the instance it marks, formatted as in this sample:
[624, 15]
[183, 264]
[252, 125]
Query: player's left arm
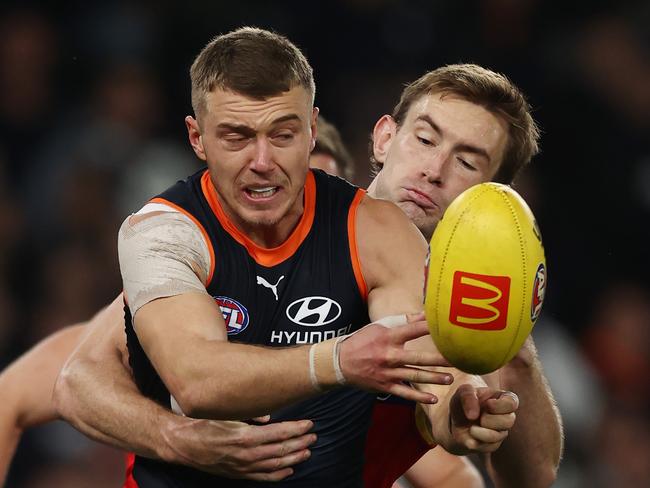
[469, 416]
[531, 454]
[392, 253]
[26, 386]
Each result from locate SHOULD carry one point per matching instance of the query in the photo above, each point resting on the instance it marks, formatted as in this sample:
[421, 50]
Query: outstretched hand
[374, 358]
[480, 418]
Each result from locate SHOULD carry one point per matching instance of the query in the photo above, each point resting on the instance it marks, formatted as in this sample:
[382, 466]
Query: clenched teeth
[262, 192]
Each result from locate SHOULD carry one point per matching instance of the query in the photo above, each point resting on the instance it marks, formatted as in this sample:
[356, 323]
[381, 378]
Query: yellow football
[485, 278]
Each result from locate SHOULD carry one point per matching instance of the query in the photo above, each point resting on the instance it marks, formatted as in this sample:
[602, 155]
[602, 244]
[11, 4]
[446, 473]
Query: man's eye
[467, 165]
[425, 142]
[234, 138]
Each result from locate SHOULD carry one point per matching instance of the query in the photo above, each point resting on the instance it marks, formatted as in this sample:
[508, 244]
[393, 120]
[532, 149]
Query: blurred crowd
[92, 99]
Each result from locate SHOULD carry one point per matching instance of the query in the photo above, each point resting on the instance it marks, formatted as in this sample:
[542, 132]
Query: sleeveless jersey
[307, 290]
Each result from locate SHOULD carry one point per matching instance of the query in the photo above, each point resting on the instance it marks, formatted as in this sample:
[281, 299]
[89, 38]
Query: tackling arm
[531, 454]
[96, 394]
[27, 386]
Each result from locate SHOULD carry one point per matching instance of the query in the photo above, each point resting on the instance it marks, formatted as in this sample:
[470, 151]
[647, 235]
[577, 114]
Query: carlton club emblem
[313, 311]
[234, 314]
[539, 291]
[479, 301]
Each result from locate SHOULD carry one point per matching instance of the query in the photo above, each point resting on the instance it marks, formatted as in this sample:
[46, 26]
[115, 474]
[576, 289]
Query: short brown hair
[251, 61]
[493, 91]
[329, 141]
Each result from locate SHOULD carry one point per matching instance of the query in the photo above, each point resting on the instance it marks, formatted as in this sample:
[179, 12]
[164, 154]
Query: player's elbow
[63, 394]
[193, 401]
[69, 390]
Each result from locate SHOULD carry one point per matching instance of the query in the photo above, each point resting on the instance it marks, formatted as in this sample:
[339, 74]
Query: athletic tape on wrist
[315, 359]
[336, 359]
[391, 321]
[324, 364]
[312, 368]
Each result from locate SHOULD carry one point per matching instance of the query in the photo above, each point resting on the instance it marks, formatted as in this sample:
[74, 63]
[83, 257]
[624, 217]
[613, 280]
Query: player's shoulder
[382, 228]
[157, 223]
[384, 215]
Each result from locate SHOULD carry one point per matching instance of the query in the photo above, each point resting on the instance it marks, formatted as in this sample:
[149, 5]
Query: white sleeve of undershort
[162, 253]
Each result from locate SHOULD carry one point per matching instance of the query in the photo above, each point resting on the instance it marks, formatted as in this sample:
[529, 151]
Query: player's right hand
[480, 419]
[239, 450]
[374, 358]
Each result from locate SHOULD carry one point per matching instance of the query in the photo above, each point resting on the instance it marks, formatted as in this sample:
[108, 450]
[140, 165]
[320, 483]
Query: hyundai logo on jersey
[313, 311]
[234, 314]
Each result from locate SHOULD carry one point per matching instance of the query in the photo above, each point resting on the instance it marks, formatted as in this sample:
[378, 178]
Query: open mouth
[261, 193]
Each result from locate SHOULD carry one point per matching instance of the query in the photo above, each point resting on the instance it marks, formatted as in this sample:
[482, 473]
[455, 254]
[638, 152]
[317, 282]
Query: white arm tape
[161, 255]
[318, 368]
[391, 321]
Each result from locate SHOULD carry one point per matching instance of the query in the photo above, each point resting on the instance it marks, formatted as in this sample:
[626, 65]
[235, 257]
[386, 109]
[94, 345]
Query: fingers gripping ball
[485, 278]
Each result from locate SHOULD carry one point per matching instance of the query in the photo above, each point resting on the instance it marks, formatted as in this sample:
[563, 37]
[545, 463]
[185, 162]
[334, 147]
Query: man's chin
[412, 210]
[261, 220]
[426, 225]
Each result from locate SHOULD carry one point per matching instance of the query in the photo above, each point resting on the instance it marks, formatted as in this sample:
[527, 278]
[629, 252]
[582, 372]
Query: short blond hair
[251, 61]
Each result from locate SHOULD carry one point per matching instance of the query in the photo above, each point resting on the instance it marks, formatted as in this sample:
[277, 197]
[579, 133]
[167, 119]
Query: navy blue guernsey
[308, 290]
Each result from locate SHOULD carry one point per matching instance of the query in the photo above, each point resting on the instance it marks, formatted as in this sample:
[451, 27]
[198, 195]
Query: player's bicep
[165, 263]
[392, 253]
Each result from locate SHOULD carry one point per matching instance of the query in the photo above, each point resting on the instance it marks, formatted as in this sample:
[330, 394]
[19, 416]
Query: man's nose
[433, 168]
[261, 158]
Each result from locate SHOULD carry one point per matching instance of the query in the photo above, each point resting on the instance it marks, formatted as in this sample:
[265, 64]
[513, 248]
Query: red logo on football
[479, 301]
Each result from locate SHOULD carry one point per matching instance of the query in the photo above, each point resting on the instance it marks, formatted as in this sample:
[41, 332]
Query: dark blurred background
[92, 100]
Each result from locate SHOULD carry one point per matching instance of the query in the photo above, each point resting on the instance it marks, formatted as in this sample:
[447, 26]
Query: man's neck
[372, 188]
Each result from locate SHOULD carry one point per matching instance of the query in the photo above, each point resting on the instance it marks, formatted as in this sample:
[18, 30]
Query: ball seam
[506, 198]
[446, 252]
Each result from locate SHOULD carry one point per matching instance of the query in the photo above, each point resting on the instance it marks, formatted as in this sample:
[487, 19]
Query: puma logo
[266, 284]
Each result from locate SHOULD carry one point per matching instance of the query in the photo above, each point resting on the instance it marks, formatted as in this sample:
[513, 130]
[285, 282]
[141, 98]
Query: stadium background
[92, 100]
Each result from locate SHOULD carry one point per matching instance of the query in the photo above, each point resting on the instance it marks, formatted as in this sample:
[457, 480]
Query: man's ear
[314, 128]
[382, 137]
[194, 135]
